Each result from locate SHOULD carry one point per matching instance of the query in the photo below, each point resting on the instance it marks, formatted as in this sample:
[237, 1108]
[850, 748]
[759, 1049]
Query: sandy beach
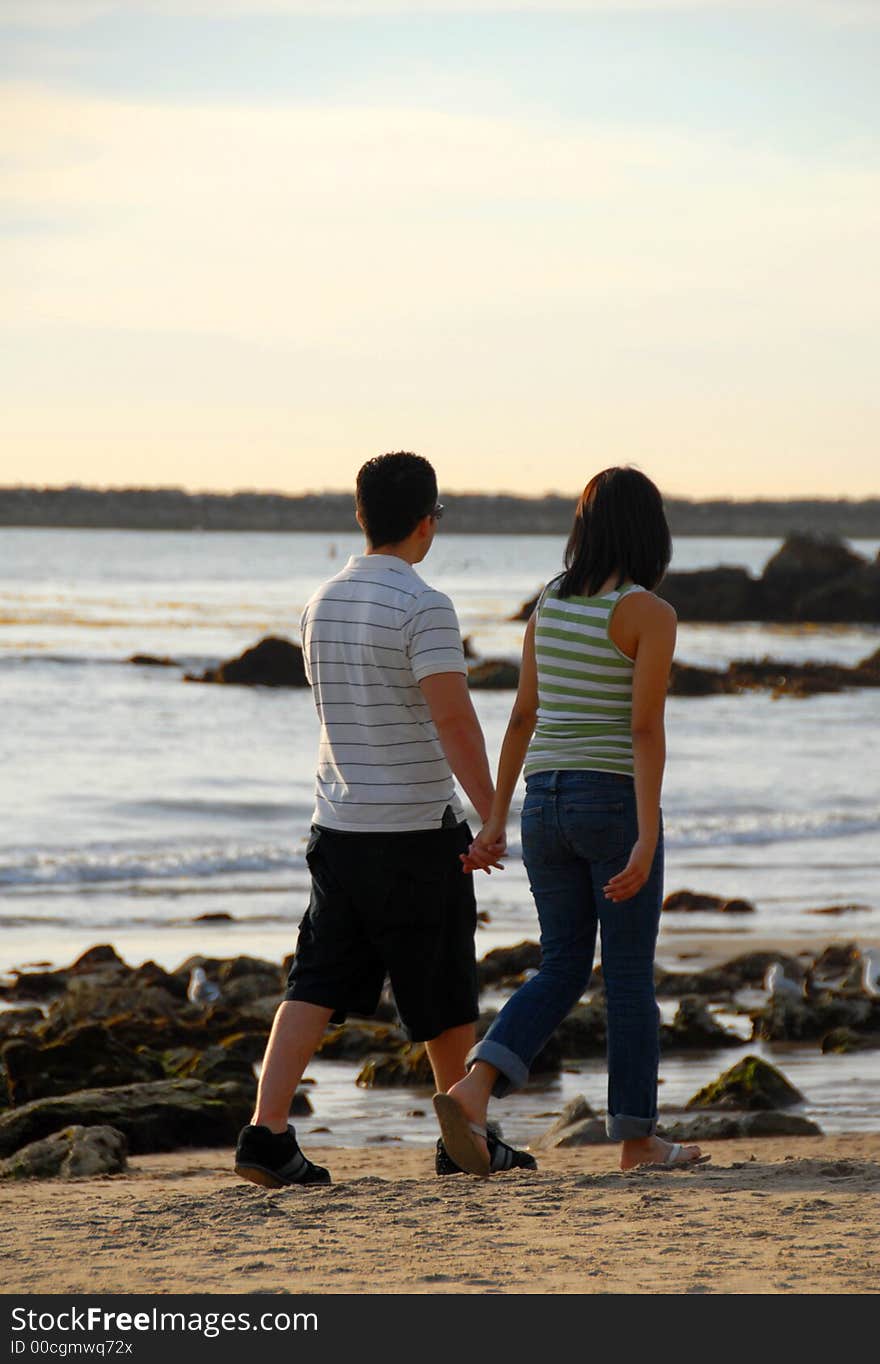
[770, 1216]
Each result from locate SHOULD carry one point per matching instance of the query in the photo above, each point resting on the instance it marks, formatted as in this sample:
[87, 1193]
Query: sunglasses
[437, 513]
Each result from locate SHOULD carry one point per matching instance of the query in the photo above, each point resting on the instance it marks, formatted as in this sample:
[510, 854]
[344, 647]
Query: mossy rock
[584, 1032]
[86, 1057]
[354, 1041]
[508, 961]
[750, 1084]
[494, 674]
[408, 1066]
[695, 1029]
[164, 1115]
[74, 1153]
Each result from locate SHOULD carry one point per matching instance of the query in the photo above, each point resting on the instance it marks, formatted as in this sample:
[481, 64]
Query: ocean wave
[101, 867]
[764, 827]
[236, 809]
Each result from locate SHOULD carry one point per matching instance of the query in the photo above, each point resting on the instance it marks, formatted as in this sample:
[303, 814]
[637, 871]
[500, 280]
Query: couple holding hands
[391, 857]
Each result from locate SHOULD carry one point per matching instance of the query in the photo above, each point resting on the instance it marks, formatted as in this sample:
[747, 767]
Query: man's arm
[461, 738]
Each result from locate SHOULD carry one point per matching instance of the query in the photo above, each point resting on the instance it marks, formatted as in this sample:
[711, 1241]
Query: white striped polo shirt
[584, 686]
[369, 636]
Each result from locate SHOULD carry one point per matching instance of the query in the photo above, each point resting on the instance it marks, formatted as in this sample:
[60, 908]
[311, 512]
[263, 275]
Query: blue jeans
[578, 829]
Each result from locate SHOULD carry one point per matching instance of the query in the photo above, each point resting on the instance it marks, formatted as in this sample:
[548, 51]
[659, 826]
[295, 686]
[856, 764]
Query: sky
[251, 243]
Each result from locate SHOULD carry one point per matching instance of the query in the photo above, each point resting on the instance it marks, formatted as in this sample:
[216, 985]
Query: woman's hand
[487, 848]
[629, 882]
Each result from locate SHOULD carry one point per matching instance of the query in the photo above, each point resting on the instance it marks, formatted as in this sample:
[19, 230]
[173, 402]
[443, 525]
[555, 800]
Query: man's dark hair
[619, 527]
[394, 492]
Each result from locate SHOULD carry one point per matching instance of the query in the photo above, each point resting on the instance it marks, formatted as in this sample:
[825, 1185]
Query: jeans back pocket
[596, 831]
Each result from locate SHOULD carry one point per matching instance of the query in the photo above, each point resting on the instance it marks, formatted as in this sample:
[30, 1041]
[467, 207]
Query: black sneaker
[274, 1159]
[501, 1157]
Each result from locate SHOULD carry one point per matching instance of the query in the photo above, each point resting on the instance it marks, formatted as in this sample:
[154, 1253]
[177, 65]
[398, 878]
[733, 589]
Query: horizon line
[103, 489]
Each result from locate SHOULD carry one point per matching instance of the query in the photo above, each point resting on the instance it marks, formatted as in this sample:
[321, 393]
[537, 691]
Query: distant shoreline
[467, 513]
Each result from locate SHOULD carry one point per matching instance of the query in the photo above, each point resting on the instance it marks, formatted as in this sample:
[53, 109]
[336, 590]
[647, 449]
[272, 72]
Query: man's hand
[489, 846]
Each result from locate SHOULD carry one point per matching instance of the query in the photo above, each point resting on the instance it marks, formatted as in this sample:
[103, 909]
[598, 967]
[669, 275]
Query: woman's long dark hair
[619, 527]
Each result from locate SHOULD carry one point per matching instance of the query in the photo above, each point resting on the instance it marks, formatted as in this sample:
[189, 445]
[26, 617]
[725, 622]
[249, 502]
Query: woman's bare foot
[655, 1151]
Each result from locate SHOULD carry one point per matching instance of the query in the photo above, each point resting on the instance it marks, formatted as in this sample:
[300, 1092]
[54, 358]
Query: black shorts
[394, 904]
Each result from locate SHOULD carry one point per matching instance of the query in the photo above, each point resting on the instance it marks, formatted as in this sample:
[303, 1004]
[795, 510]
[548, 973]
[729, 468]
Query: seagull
[779, 986]
[201, 990]
[871, 971]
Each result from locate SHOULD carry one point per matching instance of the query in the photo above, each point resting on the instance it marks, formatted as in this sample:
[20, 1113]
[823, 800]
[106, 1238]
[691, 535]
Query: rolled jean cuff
[622, 1128]
[513, 1070]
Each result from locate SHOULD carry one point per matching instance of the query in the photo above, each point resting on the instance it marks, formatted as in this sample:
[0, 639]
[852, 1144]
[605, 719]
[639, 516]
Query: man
[383, 654]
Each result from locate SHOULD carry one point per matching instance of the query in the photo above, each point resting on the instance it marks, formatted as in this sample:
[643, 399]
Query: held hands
[628, 882]
[487, 848]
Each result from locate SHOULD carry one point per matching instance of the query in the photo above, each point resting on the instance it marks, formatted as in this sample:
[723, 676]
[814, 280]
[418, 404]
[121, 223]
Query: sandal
[674, 1161]
[460, 1136]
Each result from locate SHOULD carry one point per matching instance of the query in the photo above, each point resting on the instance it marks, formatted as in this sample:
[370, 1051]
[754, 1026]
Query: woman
[587, 724]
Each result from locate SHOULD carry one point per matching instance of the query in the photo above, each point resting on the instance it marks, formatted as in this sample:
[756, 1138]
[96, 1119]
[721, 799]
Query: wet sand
[771, 1216]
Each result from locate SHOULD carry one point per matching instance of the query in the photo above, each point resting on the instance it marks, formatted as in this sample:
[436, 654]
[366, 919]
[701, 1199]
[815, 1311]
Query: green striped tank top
[584, 686]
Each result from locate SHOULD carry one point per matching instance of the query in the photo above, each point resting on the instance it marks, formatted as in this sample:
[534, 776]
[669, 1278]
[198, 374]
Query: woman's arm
[651, 625]
[491, 841]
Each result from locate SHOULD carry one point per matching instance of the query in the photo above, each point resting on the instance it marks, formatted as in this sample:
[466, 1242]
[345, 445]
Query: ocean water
[131, 802]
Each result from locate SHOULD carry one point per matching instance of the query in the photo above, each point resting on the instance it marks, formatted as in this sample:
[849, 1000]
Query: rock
[574, 1113]
[584, 1032]
[750, 1084]
[73, 1153]
[694, 1029]
[690, 902]
[100, 958]
[784, 678]
[774, 1124]
[806, 561]
[259, 1014]
[237, 967]
[713, 594]
[701, 1127]
[871, 664]
[715, 983]
[508, 961]
[750, 968]
[720, 982]
[84, 1000]
[87, 1057]
[353, 1041]
[809, 578]
[164, 1115]
[34, 985]
[842, 1041]
[231, 1060]
[852, 599]
[686, 679]
[408, 1066]
[840, 909]
[152, 661]
[273, 662]
[842, 961]
[20, 1021]
[527, 609]
[216, 917]
[590, 1132]
[494, 674]
[792, 1020]
[705, 1127]
[150, 974]
[548, 1060]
